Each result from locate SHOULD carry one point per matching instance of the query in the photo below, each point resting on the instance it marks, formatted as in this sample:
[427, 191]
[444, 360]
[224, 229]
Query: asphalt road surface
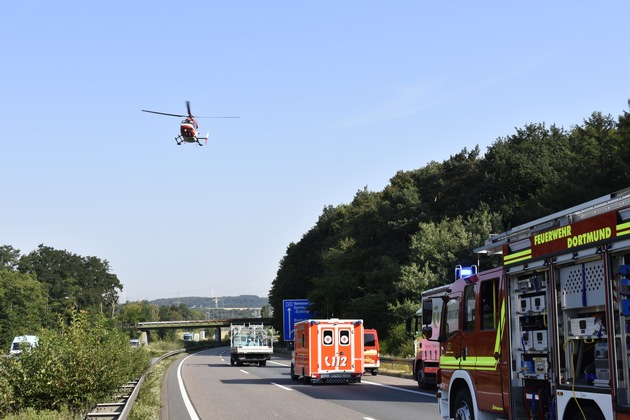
[205, 386]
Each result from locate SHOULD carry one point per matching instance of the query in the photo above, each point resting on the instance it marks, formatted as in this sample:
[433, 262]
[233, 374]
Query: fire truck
[328, 350]
[371, 351]
[427, 349]
[547, 335]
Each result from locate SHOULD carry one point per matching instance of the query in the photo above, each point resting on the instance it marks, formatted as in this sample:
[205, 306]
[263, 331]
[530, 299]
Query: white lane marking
[398, 389]
[278, 363]
[281, 386]
[244, 371]
[191, 409]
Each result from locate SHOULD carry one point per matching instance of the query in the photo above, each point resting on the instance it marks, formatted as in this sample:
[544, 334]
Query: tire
[421, 377]
[374, 372]
[464, 409]
[591, 412]
[307, 379]
[293, 375]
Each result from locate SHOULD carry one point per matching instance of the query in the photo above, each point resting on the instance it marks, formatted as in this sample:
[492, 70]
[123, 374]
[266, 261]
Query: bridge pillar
[217, 334]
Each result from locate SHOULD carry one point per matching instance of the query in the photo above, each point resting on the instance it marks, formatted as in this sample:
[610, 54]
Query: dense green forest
[372, 258]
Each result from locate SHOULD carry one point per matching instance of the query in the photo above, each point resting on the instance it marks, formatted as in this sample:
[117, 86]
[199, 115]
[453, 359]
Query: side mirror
[427, 312]
[427, 332]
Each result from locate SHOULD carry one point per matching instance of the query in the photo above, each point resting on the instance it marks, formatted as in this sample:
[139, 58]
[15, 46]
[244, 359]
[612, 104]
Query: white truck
[21, 342]
[251, 343]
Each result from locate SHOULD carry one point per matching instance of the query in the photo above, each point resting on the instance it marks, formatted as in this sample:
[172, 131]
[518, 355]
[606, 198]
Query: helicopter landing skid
[181, 139]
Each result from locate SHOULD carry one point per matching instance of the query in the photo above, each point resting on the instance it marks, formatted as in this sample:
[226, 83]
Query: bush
[72, 369]
[398, 343]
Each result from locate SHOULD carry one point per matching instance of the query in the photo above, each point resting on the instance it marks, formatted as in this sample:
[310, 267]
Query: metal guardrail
[121, 407]
[397, 366]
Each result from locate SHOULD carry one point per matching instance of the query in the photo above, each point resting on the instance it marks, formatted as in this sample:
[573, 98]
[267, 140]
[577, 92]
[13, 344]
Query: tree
[73, 282]
[523, 167]
[23, 305]
[131, 313]
[9, 257]
[435, 251]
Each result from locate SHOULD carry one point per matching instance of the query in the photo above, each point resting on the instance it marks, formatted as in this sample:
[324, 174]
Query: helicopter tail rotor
[207, 136]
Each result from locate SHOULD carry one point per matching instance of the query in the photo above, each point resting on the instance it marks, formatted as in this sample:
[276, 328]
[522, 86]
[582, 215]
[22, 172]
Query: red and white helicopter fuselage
[188, 132]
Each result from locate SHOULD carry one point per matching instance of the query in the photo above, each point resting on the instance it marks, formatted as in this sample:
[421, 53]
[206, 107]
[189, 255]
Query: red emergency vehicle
[371, 351]
[427, 349]
[546, 336]
[328, 350]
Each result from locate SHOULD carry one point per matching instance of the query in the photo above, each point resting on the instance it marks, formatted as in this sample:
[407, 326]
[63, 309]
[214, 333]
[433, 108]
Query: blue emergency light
[462, 272]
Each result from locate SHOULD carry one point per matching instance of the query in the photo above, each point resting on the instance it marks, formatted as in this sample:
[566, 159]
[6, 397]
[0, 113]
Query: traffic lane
[173, 407]
[377, 397]
[399, 383]
[218, 390]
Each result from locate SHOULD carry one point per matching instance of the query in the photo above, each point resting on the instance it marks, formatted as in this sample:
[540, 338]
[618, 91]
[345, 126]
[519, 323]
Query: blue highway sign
[295, 310]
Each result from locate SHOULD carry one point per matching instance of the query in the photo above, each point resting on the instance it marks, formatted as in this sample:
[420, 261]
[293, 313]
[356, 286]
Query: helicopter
[189, 128]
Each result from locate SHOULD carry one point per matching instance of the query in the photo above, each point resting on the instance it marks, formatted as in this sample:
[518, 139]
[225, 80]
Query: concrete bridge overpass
[216, 324]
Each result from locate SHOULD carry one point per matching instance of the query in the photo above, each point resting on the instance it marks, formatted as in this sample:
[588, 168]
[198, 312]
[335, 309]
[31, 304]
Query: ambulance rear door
[337, 347]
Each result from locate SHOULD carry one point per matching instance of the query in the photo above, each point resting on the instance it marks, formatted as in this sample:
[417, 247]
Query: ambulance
[328, 350]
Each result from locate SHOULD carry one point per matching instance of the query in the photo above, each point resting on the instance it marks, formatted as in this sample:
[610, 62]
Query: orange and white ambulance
[328, 350]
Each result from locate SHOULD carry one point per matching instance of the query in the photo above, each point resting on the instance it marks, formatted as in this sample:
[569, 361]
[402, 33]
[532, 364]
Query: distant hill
[242, 301]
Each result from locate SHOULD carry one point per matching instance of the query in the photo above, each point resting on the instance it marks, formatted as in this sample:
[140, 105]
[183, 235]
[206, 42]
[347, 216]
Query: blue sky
[333, 96]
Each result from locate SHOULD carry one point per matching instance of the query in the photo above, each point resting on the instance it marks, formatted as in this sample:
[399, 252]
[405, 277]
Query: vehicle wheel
[421, 378]
[293, 375]
[307, 379]
[463, 406]
[591, 412]
[374, 372]
[232, 362]
[263, 363]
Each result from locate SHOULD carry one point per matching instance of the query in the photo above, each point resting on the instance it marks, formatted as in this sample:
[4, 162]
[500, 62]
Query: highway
[204, 386]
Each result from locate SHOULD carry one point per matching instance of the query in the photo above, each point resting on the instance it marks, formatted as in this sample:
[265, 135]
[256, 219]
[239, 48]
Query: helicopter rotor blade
[217, 117]
[188, 108]
[164, 113]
